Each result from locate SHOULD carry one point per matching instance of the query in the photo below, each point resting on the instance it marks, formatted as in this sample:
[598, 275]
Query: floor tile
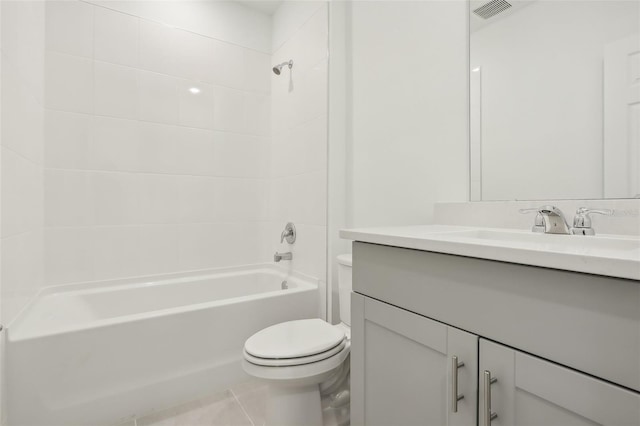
[131, 422]
[247, 386]
[254, 402]
[217, 410]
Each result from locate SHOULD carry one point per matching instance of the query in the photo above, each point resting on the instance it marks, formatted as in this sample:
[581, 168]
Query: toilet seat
[286, 362]
[296, 351]
[295, 375]
[294, 339]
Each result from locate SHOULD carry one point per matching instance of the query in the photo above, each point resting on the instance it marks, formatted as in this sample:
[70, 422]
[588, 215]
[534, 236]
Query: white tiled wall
[290, 17]
[142, 175]
[224, 20]
[142, 148]
[298, 189]
[21, 154]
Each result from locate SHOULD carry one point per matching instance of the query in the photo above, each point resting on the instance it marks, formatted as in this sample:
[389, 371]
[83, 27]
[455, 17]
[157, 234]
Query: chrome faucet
[549, 219]
[282, 256]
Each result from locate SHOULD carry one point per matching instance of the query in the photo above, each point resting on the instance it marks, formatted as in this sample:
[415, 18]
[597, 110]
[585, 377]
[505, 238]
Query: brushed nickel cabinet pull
[455, 365]
[488, 414]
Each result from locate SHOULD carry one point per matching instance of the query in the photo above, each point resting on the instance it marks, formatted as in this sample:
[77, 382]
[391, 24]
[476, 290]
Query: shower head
[278, 68]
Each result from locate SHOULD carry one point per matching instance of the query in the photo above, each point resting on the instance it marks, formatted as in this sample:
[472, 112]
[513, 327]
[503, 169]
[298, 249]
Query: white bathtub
[94, 354]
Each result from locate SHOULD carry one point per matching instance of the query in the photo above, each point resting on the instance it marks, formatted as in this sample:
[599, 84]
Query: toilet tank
[344, 287]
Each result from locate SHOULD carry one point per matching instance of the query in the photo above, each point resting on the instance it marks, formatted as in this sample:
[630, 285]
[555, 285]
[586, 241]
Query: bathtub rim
[303, 282]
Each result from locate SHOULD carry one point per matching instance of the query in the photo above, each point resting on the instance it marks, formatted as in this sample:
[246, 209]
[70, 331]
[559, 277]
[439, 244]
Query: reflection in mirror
[554, 99]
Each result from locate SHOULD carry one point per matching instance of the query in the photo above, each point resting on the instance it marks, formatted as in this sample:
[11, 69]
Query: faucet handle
[582, 220]
[546, 209]
[587, 210]
[289, 233]
[538, 226]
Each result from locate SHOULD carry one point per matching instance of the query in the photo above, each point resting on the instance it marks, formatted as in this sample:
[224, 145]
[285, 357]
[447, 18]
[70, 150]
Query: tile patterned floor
[242, 405]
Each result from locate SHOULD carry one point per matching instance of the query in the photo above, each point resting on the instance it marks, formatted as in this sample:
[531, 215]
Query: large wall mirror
[554, 99]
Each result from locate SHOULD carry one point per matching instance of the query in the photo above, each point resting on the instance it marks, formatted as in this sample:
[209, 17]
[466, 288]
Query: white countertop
[610, 255]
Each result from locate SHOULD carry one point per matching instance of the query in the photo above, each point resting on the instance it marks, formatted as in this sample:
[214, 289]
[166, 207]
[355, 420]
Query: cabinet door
[403, 370]
[530, 391]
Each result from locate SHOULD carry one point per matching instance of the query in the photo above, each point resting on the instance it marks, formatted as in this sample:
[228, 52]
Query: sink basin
[551, 242]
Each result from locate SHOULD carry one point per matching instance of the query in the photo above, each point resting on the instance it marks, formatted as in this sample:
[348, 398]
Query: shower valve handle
[289, 233]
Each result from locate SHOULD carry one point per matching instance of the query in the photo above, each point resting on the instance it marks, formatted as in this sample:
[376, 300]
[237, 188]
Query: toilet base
[295, 395]
[294, 406]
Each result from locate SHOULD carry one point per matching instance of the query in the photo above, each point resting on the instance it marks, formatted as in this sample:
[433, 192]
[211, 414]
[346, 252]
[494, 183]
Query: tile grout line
[242, 407]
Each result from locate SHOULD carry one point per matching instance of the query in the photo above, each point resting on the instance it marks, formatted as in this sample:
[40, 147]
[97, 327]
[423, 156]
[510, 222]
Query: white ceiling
[267, 7]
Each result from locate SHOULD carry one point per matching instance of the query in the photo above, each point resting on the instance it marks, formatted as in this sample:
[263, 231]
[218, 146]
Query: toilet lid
[294, 339]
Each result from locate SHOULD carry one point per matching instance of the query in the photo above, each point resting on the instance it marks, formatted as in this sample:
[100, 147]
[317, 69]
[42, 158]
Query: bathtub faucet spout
[282, 256]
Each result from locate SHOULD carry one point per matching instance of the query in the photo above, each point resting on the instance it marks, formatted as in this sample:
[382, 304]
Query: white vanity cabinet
[530, 391]
[403, 368]
[562, 346]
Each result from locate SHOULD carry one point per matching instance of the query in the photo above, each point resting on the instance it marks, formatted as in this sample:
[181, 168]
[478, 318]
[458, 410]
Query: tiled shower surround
[155, 147]
[158, 154]
[298, 154]
[143, 138]
[130, 147]
[21, 155]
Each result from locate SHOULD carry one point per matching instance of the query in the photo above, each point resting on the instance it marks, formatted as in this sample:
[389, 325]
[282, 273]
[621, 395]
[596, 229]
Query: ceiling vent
[492, 8]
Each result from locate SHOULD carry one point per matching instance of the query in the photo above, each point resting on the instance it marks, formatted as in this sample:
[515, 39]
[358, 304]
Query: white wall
[408, 130]
[142, 176]
[298, 190]
[534, 148]
[338, 148]
[21, 146]
[398, 108]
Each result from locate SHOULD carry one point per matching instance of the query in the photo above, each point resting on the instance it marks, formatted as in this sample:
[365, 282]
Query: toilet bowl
[306, 364]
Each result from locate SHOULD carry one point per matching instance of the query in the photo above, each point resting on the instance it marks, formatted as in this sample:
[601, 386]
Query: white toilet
[304, 361]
